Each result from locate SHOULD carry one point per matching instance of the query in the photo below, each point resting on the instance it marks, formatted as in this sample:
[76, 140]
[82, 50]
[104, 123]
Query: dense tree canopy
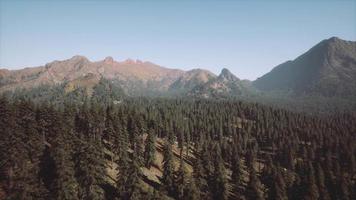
[202, 149]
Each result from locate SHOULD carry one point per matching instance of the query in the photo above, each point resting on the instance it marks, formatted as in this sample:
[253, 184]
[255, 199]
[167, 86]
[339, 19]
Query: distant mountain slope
[133, 76]
[327, 69]
[190, 80]
[225, 85]
[136, 78]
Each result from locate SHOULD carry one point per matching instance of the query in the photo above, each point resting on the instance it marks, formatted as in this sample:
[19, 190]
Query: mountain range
[327, 69]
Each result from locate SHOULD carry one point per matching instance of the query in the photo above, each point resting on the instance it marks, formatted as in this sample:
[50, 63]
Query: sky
[247, 37]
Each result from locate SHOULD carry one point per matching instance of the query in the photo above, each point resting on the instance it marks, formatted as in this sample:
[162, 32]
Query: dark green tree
[219, 178]
[150, 150]
[168, 169]
[253, 189]
[90, 169]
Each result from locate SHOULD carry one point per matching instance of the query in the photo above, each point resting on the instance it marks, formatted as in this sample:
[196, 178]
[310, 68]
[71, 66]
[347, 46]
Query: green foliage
[236, 150]
[106, 93]
[150, 150]
[90, 170]
[168, 169]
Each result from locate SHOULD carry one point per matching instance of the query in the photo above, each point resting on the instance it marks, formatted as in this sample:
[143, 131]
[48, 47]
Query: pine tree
[180, 181]
[191, 192]
[26, 172]
[137, 142]
[90, 170]
[278, 189]
[66, 186]
[199, 175]
[109, 133]
[343, 189]
[312, 191]
[253, 189]
[324, 193]
[237, 172]
[133, 183]
[168, 169]
[219, 185]
[123, 174]
[10, 144]
[150, 150]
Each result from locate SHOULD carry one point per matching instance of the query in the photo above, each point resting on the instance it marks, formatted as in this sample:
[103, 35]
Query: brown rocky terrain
[79, 71]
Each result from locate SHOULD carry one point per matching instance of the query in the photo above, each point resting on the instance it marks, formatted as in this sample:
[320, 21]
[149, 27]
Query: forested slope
[173, 149]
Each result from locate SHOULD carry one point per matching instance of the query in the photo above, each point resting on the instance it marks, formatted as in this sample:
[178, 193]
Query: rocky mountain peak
[327, 69]
[227, 75]
[129, 61]
[79, 58]
[334, 44]
[334, 39]
[109, 60]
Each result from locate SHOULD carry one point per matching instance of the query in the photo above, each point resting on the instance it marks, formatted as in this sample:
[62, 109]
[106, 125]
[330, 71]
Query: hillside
[328, 69]
[190, 80]
[173, 149]
[224, 85]
[133, 75]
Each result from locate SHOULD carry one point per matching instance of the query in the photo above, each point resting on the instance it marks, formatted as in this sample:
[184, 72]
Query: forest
[160, 148]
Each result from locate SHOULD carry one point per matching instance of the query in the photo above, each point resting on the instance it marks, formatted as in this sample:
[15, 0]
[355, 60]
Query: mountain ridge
[327, 69]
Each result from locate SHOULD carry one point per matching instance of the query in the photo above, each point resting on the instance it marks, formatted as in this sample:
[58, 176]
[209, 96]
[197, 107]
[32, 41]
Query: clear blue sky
[247, 37]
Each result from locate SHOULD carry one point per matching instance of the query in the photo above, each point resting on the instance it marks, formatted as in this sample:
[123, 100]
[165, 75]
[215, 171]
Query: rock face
[190, 80]
[327, 69]
[225, 85]
[133, 76]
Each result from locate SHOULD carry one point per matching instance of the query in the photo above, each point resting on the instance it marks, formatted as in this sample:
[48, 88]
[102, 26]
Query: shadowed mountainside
[327, 69]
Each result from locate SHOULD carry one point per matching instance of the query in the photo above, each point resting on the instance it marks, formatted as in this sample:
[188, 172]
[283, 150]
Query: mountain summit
[135, 77]
[227, 75]
[327, 69]
[225, 85]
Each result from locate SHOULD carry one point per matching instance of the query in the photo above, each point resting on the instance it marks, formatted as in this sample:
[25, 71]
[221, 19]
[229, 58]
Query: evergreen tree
[180, 181]
[237, 172]
[109, 134]
[150, 150]
[132, 184]
[199, 175]
[28, 184]
[219, 179]
[253, 189]
[324, 193]
[191, 192]
[66, 186]
[278, 189]
[168, 169]
[90, 170]
[312, 191]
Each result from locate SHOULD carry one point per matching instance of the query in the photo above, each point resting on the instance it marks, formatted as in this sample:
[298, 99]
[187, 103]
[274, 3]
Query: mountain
[190, 80]
[225, 85]
[328, 69]
[134, 76]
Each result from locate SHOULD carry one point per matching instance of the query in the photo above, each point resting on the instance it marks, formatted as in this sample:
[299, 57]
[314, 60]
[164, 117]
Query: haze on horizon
[249, 38]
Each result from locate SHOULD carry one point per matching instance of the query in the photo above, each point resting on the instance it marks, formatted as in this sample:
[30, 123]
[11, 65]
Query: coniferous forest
[177, 100]
[161, 148]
